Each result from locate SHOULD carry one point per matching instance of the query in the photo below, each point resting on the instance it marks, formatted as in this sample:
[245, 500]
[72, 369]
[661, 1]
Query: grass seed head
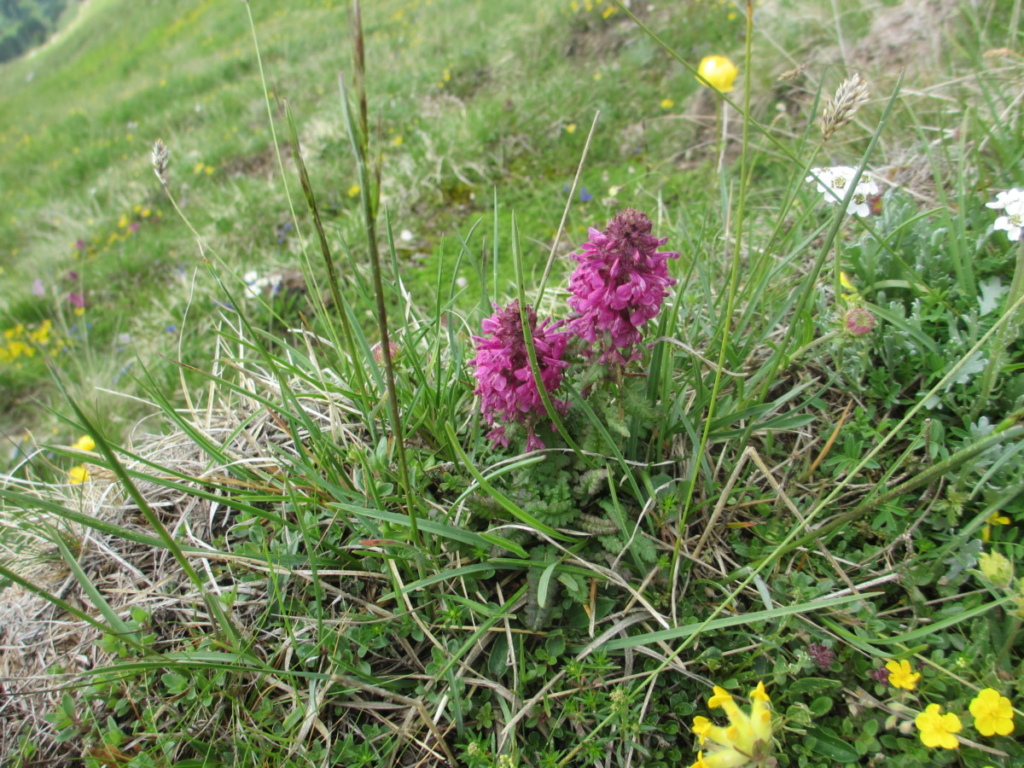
[161, 158]
[840, 109]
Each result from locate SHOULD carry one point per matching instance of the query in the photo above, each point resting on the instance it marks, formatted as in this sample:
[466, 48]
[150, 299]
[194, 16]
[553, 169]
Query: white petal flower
[1013, 223]
[1011, 201]
[833, 182]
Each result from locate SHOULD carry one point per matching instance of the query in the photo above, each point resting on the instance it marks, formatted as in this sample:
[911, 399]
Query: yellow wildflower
[994, 519]
[84, 443]
[992, 713]
[746, 741]
[901, 675]
[938, 730]
[719, 72]
[41, 335]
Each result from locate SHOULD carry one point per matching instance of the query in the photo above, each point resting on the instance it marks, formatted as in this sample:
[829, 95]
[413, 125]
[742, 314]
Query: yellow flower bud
[719, 72]
[84, 443]
[995, 568]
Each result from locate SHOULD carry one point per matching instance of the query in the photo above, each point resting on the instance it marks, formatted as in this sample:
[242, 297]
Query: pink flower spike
[619, 285]
[505, 382]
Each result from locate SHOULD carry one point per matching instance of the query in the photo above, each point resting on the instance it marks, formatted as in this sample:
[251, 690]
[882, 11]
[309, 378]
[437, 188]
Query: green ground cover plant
[563, 384]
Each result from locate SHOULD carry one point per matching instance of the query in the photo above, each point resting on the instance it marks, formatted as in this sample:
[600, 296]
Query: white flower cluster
[1012, 202]
[833, 182]
[256, 285]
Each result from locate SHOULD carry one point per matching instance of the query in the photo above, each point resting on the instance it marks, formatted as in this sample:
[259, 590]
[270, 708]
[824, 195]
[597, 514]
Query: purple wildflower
[859, 321]
[880, 674]
[821, 655]
[619, 284]
[378, 351]
[506, 385]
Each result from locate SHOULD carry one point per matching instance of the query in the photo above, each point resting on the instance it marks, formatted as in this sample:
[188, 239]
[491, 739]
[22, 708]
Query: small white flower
[254, 284]
[1013, 223]
[833, 182]
[1008, 201]
[1011, 201]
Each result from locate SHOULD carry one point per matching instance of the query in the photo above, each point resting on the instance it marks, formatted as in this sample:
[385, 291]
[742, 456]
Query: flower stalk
[368, 197]
[1006, 334]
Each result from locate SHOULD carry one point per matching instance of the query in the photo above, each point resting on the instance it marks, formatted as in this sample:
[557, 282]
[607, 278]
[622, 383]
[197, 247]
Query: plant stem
[733, 290]
[1008, 643]
[1008, 332]
[360, 148]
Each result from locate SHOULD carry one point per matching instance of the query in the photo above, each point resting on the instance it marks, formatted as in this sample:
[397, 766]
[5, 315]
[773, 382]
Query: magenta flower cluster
[507, 389]
[619, 285]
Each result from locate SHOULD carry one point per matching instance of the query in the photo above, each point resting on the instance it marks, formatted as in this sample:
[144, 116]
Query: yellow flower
[78, 475]
[938, 730]
[995, 568]
[994, 519]
[992, 713]
[41, 335]
[84, 443]
[719, 72]
[746, 741]
[901, 675]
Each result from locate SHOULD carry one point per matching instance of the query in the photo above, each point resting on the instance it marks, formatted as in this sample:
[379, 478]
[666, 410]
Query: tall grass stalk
[358, 131]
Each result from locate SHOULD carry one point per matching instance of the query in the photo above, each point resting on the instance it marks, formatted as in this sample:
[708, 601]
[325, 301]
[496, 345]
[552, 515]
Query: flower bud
[859, 321]
[995, 568]
[719, 72]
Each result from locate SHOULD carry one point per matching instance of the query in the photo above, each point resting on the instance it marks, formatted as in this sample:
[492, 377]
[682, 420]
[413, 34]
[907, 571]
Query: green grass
[295, 550]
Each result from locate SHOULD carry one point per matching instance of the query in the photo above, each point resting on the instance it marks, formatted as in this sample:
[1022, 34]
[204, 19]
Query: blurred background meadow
[238, 533]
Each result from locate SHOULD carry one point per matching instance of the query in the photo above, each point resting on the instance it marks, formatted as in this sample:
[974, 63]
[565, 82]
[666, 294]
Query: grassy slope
[480, 95]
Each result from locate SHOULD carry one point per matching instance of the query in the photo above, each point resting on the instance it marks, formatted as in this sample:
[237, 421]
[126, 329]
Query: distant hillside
[24, 24]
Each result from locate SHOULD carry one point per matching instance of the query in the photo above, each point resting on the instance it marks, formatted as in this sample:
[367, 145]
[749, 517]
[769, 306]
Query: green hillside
[25, 24]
